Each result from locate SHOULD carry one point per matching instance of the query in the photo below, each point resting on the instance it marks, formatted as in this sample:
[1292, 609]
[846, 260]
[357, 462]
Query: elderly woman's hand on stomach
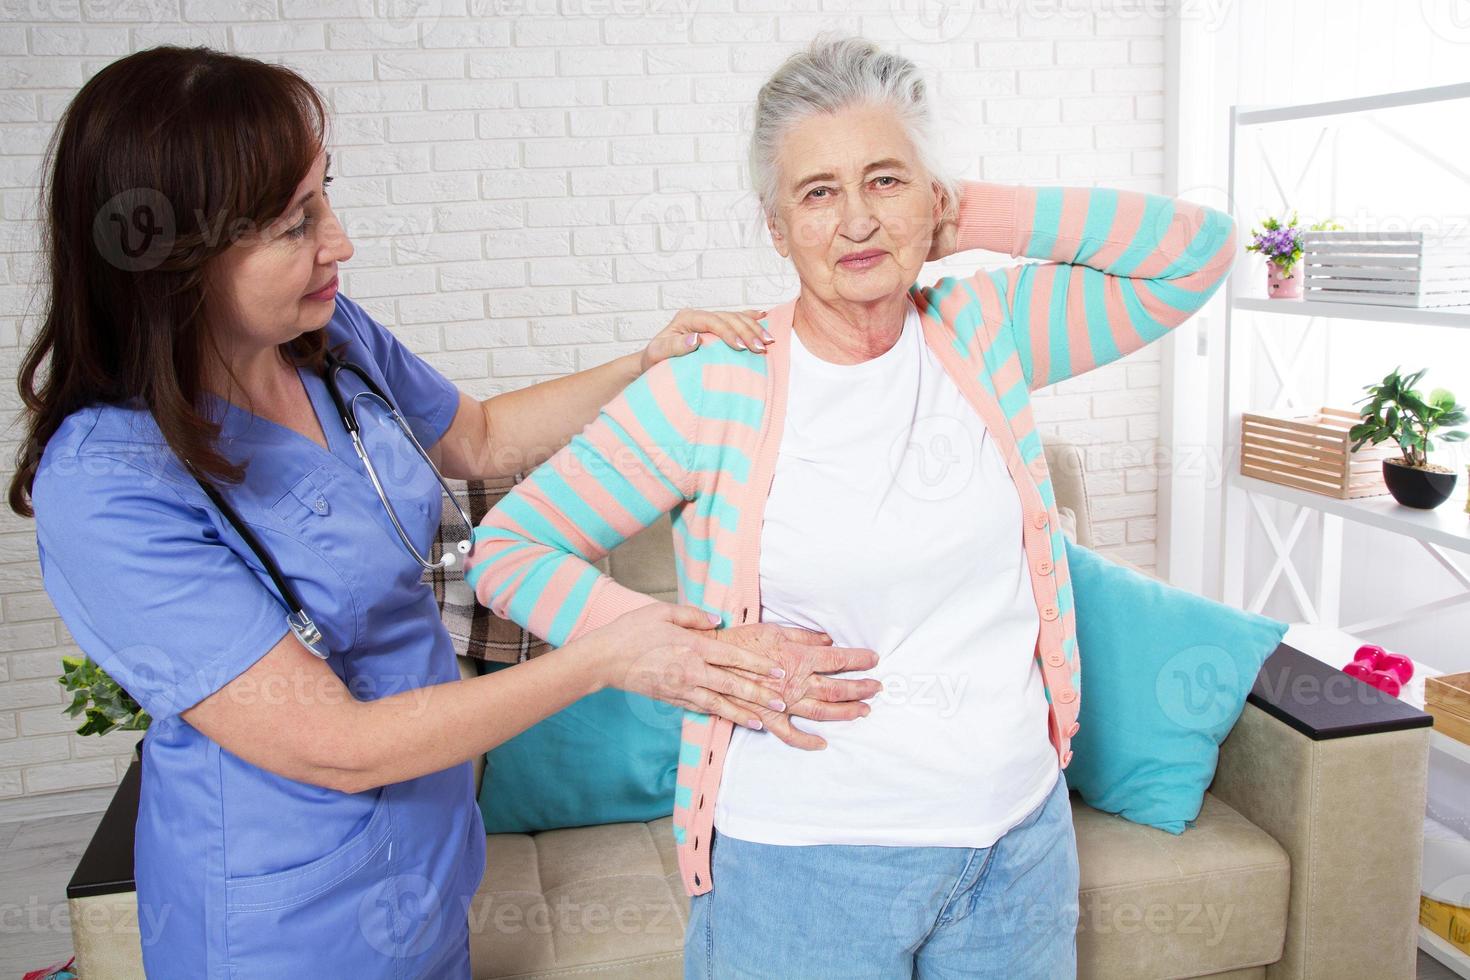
[808, 692]
[752, 675]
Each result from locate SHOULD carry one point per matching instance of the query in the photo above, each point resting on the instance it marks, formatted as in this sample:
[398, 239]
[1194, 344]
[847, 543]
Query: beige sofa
[1304, 862]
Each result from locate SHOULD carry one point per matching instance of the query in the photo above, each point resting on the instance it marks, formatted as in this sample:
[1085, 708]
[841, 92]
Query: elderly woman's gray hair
[836, 73]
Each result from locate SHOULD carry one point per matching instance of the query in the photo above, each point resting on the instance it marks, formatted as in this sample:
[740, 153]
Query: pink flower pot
[1280, 286]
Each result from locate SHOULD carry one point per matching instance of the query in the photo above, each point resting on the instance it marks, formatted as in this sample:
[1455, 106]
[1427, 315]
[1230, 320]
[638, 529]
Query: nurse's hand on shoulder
[741, 330]
[671, 653]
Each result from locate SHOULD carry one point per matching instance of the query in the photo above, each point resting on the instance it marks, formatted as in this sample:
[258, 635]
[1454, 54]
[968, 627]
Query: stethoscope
[297, 618]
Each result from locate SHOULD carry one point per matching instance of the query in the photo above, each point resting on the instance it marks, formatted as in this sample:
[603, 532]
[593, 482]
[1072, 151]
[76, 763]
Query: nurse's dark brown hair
[162, 160]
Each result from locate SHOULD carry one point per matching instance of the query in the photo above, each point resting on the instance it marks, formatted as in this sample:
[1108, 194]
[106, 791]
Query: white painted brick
[57, 40]
[511, 63]
[1092, 52]
[565, 152]
[8, 725]
[483, 275]
[534, 360]
[479, 217]
[1139, 79]
[377, 98]
[1097, 110]
[514, 184]
[647, 30]
[470, 95]
[733, 30]
[603, 181]
[431, 127]
[645, 91]
[30, 751]
[1014, 54]
[477, 155]
[368, 161]
[259, 38]
[433, 188]
[540, 214]
[69, 775]
[214, 12]
[30, 694]
[34, 665]
[485, 32]
[560, 92]
[406, 65]
[527, 243]
[556, 31]
[688, 59]
[441, 307]
[520, 123]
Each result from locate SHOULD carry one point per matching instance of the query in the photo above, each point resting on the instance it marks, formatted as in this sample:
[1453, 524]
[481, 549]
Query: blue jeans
[836, 910]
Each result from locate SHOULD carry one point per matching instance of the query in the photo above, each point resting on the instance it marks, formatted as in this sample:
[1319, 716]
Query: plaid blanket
[476, 631]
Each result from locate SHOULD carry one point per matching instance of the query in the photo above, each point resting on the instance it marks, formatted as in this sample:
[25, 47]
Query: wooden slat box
[1310, 452]
[1386, 268]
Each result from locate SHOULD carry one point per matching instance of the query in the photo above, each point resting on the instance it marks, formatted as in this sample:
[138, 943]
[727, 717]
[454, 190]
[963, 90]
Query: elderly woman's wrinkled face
[855, 212]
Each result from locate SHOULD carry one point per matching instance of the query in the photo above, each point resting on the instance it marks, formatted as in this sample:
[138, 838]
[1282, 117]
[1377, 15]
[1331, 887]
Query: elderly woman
[876, 476]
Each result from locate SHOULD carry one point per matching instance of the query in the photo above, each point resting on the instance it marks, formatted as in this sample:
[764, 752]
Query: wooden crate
[1311, 452]
[1385, 268]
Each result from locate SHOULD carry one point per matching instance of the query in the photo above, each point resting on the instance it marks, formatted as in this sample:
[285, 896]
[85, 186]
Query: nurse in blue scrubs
[301, 815]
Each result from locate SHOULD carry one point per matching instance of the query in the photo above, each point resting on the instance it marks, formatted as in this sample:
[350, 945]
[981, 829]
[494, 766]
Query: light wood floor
[36, 861]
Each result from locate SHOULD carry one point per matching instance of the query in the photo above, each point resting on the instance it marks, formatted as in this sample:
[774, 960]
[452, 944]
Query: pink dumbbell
[1386, 671]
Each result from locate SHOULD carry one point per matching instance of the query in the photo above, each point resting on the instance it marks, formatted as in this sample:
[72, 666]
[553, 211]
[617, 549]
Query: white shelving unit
[1442, 532]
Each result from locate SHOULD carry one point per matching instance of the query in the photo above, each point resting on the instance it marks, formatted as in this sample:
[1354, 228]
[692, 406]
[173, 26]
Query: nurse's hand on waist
[759, 675]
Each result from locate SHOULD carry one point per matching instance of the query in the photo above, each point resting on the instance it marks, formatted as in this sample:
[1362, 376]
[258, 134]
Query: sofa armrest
[1335, 771]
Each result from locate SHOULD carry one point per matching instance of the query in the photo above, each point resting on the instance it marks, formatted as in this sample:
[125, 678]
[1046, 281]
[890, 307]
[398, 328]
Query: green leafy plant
[1281, 241]
[1397, 411]
[107, 706]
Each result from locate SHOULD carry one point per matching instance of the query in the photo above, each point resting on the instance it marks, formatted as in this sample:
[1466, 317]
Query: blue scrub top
[241, 872]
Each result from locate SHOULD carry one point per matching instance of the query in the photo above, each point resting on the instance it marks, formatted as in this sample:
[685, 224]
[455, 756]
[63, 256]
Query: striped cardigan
[697, 436]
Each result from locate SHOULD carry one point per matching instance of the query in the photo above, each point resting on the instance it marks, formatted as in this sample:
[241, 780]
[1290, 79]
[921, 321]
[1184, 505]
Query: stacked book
[1386, 268]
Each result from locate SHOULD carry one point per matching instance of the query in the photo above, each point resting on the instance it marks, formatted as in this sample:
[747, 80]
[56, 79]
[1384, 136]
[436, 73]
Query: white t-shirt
[893, 524]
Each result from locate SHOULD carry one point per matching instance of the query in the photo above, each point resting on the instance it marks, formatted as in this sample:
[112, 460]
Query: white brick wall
[534, 188]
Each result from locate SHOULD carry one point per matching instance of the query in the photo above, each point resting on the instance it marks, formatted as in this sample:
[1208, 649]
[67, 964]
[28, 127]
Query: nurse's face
[278, 282]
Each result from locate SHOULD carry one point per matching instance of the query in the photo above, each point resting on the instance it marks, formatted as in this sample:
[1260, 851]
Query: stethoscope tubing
[298, 619]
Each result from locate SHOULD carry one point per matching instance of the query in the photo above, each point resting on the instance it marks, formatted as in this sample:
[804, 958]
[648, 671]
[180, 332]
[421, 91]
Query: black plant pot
[1424, 489]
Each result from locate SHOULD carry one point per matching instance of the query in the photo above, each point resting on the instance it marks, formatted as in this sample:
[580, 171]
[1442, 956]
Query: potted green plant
[106, 705]
[1280, 242]
[1398, 411]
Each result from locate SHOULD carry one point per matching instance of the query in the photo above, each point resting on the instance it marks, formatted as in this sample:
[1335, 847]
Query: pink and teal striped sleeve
[1122, 269]
[533, 552]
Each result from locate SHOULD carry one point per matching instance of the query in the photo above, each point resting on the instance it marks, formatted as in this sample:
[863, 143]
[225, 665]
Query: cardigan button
[1048, 613]
[1066, 758]
[1043, 567]
[1055, 658]
[1073, 730]
[1067, 696]
[1040, 519]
